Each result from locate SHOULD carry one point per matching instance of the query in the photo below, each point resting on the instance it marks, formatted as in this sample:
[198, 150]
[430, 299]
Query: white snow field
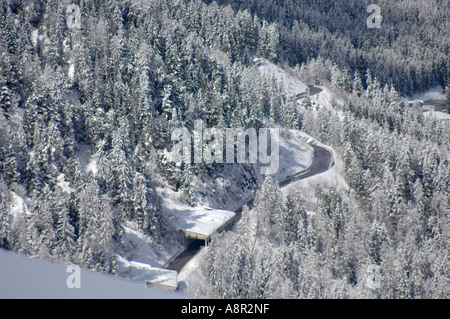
[27, 278]
[191, 276]
[327, 99]
[296, 153]
[292, 85]
[201, 221]
[438, 115]
[144, 273]
[432, 102]
[140, 248]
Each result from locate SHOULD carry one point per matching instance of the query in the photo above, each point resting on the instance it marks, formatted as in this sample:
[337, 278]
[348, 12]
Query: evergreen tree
[140, 203]
[66, 245]
[96, 226]
[186, 182]
[447, 97]
[269, 209]
[357, 87]
[5, 98]
[4, 216]
[295, 220]
[289, 116]
[376, 240]
[42, 225]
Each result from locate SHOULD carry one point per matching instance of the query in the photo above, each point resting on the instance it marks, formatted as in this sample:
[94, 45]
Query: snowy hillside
[232, 184]
[291, 84]
[114, 117]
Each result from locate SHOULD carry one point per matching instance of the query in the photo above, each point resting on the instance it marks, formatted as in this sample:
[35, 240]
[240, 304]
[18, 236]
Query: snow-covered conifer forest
[91, 92]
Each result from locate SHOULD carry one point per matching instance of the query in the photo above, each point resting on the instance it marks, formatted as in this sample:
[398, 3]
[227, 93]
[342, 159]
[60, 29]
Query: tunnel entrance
[192, 248]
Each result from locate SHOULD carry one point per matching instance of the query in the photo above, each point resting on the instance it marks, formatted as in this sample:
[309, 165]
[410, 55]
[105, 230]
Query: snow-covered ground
[296, 154]
[18, 207]
[438, 115]
[227, 191]
[140, 248]
[432, 101]
[200, 220]
[191, 278]
[232, 184]
[140, 262]
[22, 277]
[144, 273]
[331, 178]
[292, 85]
[327, 99]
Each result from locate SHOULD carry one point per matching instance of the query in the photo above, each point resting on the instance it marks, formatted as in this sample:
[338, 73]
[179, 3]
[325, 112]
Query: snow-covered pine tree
[5, 226]
[289, 115]
[294, 219]
[140, 204]
[447, 97]
[269, 209]
[41, 224]
[262, 269]
[5, 98]
[65, 234]
[276, 94]
[247, 101]
[268, 41]
[405, 175]
[357, 87]
[96, 226]
[340, 79]
[8, 163]
[377, 237]
[186, 182]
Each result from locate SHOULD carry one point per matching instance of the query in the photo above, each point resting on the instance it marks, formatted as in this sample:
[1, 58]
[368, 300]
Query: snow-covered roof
[144, 273]
[198, 222]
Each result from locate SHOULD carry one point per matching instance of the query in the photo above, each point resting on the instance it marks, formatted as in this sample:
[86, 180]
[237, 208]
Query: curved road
[322, 161]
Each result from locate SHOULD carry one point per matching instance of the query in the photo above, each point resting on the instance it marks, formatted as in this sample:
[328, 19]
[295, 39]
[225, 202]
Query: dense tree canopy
[88, 104]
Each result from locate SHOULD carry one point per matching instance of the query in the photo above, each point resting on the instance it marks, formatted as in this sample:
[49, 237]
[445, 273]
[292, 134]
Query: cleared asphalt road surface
[322, 161]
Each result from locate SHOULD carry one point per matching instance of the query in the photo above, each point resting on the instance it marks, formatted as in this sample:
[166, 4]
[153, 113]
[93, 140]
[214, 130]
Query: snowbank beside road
[327, 99]
[146, 274]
